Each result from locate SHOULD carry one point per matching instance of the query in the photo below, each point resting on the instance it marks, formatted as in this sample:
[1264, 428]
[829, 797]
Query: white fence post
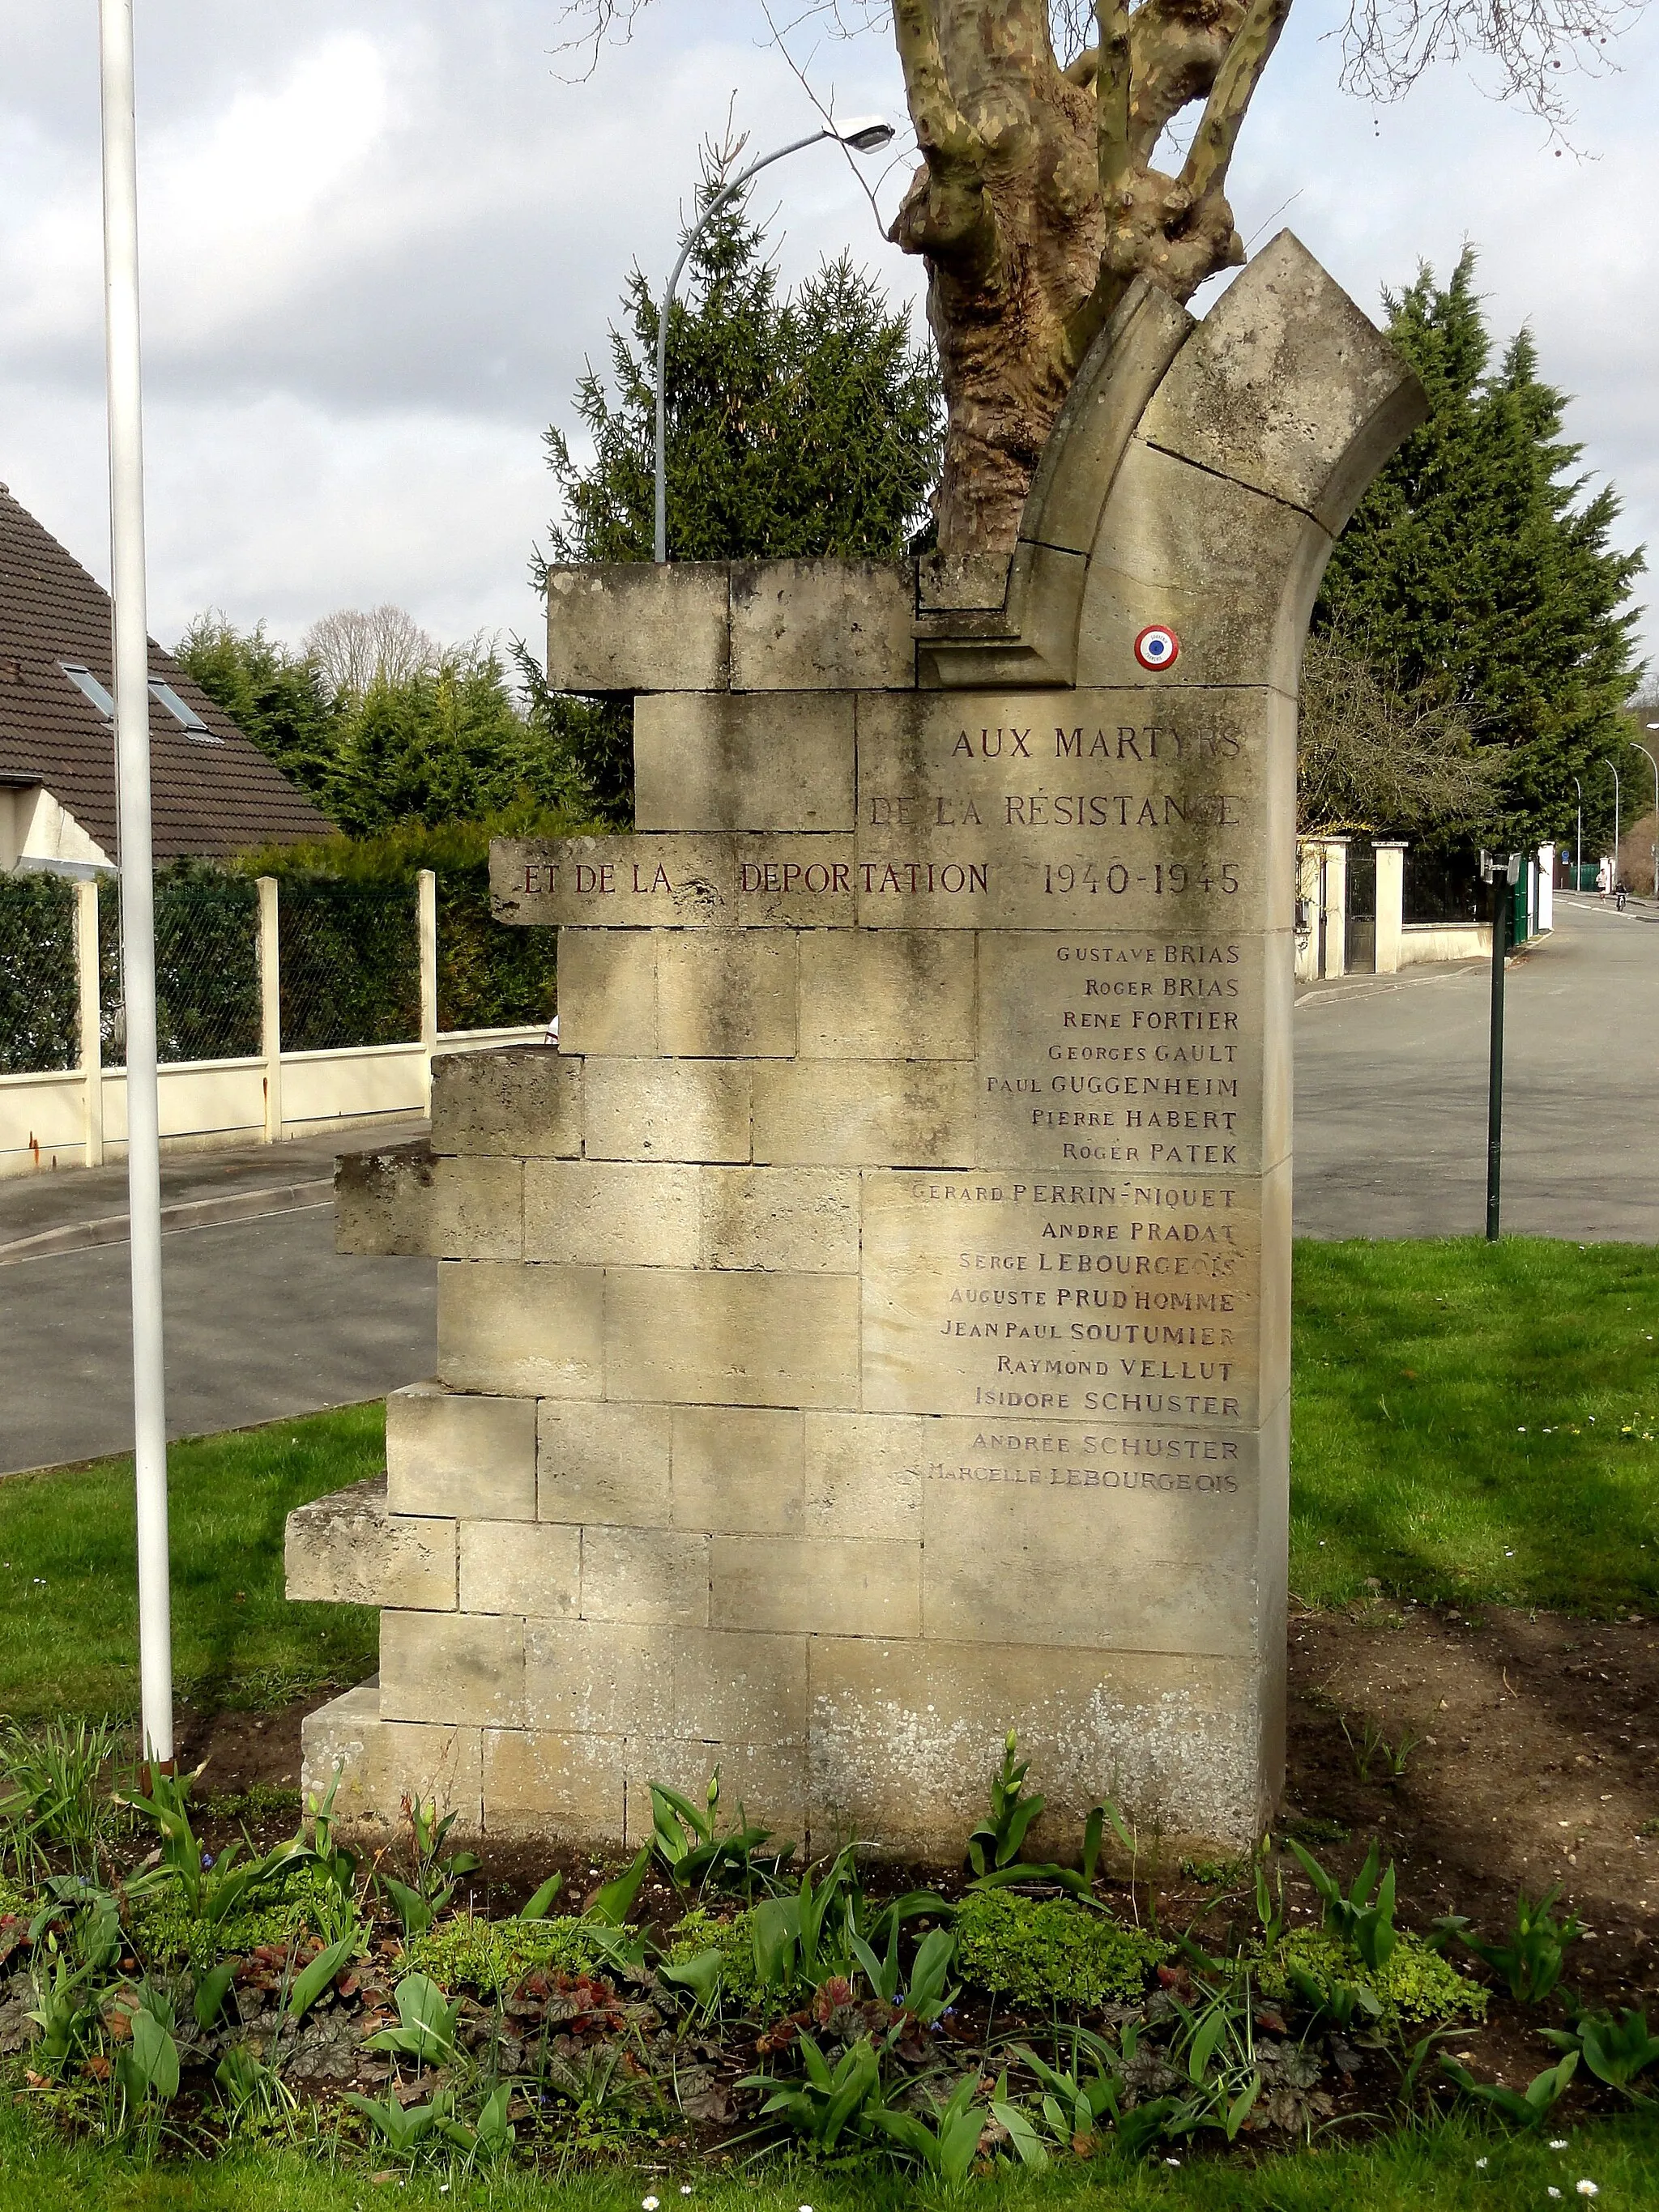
[1390, 902]
[92, 1043]
[270, 1006]
[425, 906]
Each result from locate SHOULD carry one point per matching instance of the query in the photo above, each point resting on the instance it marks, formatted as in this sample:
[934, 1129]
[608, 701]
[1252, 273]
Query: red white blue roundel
[1158, 646]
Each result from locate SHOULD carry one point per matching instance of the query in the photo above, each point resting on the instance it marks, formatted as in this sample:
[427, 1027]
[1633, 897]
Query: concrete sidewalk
[263, 1318]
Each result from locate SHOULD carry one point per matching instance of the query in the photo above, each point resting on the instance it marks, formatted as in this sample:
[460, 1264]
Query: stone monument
[868, 1329]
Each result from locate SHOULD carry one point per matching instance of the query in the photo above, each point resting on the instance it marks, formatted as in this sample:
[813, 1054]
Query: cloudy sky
[379, 241]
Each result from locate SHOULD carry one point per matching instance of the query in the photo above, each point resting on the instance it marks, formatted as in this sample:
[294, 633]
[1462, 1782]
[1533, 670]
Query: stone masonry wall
[869, 1329]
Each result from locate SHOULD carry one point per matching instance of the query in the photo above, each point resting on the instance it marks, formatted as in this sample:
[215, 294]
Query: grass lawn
[1472, 1423]
[1478, 1423]
[1431, 2170]
[69, 1612]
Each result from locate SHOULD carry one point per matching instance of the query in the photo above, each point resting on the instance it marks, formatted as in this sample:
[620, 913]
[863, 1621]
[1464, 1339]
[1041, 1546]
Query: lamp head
[865, 134]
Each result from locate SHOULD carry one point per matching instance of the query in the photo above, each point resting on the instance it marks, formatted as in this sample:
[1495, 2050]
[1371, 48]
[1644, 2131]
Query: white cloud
[379, 243]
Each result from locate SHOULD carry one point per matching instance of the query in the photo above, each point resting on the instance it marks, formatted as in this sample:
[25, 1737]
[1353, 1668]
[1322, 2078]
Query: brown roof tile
[205, 799]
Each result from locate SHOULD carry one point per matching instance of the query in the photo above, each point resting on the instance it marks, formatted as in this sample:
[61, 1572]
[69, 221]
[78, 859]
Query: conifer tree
[1477, 571]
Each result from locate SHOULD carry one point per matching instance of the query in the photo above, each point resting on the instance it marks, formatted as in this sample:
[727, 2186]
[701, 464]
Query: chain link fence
[207, 969]
[39, 993]
[350, 964]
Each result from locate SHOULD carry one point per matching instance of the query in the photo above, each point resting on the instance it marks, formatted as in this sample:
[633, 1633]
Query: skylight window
[87, 685]
[183, 713]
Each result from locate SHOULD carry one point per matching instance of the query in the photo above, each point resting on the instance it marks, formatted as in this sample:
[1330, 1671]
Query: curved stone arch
[1198, 476]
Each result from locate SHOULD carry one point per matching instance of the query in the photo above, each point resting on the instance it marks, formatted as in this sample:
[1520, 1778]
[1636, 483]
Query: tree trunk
[1037, 205]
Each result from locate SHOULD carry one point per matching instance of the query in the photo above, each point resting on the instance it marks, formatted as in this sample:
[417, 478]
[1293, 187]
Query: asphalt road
[263, 1319]
[1391, 1091]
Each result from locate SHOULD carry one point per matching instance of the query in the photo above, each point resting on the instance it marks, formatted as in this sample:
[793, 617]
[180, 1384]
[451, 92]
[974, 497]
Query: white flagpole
[132, 658]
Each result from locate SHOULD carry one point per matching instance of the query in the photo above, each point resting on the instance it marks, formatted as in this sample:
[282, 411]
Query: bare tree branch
[1388, 45]
[1112, 81]
[1205, 168]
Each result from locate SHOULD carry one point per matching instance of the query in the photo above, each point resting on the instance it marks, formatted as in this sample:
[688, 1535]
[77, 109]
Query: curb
[194, 1213]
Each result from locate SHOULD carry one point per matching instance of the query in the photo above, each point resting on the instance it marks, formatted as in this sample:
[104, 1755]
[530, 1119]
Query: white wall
[222, 1102]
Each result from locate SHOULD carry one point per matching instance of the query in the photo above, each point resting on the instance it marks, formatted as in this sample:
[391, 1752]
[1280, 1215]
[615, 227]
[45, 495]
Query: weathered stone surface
[668, 1109]
[591, 1211]
[906, 1735]
[465, 1668]
[752, 1774]
[859, 1113]
[674, 880]
[822, 625]
[520, 1331]
[886, 995]
[829, 1586]
[372, 1765]
[523, 1101]
[408, 1200]
[538, 1783]
[650, 1577]
[726, 994]
[744, 760]
[348, 1548]
[507, 1566]
[469, 1455]
[634, 627]
[1080, 811]
[605, 1463]
[866, 1472]
[607, 992]
[736, 1338]
[1287, 386]
[781, 1218]
[737, 1468]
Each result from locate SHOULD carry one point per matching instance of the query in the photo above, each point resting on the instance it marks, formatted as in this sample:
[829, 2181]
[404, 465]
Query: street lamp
[1608, 764]
[864, 135]
[1654, 765]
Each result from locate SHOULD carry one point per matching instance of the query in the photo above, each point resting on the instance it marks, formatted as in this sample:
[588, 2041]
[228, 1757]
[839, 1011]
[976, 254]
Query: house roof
[205, 799]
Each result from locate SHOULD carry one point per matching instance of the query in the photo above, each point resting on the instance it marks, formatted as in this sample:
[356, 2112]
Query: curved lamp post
[864, 135]
[1607, 764]
[1654, 764]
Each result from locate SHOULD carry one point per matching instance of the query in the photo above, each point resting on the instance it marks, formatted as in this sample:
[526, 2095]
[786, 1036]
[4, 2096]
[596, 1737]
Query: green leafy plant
[53, 1792]
[1050, 1951]
[147, 2066]
[948, 2146]
[403, 2128]
[251, 2093]
[494, 1955]
[211, 1888]
[1530, 1958]
[1076, 2100]
[1527, 2108]
[1374, 1749]
[1615, 2051]
[491, 2137]
[323, 1971]
[1363, 1915]
[1322, 1970]
[434, 1879]
[695, 1854]
[426, 2023]
[609, 1906]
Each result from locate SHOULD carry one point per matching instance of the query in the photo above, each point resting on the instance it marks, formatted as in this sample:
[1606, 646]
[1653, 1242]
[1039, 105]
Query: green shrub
[1049, 1951]
[163, 1930]
[496, 1955]
[1417, 1986]
[701, 1930]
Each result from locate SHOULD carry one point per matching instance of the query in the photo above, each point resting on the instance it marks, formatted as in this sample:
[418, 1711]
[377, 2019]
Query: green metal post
[1503, 905]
